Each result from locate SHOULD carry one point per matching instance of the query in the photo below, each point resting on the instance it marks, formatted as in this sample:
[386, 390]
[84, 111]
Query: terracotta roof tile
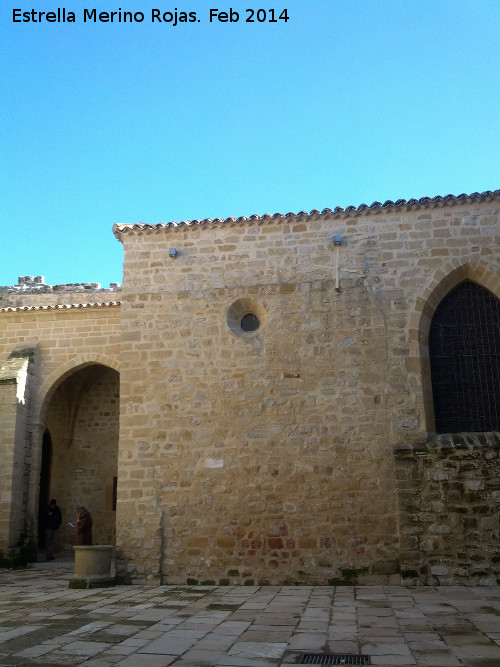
[338, 211]
[59, 306]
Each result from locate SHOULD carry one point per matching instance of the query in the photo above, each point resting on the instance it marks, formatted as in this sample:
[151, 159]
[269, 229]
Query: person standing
[83, 527]
[53, 518]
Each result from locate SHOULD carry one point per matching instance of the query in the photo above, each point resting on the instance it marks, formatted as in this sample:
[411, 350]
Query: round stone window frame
[241, 308]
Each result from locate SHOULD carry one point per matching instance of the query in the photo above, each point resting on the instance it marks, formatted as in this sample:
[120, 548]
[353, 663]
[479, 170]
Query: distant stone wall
[449, 507]
[32, 291]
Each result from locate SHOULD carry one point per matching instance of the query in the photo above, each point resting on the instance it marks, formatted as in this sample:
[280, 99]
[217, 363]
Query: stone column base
[92, 566]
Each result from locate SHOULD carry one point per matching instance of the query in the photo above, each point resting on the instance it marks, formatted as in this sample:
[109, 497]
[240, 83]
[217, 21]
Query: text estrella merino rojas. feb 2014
[62, 15]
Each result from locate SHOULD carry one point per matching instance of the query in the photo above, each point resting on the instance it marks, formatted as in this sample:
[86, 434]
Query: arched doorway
[43, 497]
[464, 352]
[82, 420]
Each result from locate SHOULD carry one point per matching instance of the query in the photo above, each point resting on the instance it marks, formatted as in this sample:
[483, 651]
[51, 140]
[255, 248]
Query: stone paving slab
[43, 622]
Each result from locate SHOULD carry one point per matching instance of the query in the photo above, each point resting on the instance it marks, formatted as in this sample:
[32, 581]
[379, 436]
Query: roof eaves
[60, 306]
[338, 212]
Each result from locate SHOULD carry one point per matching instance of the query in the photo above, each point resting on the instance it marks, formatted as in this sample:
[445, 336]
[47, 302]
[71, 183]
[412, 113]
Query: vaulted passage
[82, 418]
[464, 349]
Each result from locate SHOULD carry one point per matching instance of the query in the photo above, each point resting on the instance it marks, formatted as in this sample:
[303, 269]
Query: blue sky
[347, 102]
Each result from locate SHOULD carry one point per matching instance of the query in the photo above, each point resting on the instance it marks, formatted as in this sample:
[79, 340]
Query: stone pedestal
[92, 566]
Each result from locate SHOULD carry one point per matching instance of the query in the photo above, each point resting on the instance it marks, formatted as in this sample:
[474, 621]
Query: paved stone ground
[43, 622]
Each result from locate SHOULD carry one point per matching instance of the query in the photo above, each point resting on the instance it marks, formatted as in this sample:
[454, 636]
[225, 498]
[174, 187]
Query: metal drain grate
[334, 659]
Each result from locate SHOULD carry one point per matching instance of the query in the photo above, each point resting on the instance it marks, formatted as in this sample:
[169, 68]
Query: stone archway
[82, 416]
[418, 363]
[464, 353]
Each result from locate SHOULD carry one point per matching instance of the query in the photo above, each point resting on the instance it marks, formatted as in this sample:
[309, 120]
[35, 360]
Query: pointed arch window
[464, 351]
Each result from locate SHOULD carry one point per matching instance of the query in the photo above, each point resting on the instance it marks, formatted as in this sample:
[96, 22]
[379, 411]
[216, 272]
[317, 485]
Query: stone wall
[449, 508]
[267, 456]
[242, 456]
[69, 336]
[15, 295]
[17, 386]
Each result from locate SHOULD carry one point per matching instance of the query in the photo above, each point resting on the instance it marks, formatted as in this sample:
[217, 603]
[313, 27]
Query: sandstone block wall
[69, 336]
[449, 498]
[17, 385]
[267, 456]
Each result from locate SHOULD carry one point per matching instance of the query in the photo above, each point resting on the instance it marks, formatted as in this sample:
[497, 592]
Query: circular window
[246, 316]
[250, 322]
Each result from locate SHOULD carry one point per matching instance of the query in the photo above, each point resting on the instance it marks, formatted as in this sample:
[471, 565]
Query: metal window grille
[464, 351]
